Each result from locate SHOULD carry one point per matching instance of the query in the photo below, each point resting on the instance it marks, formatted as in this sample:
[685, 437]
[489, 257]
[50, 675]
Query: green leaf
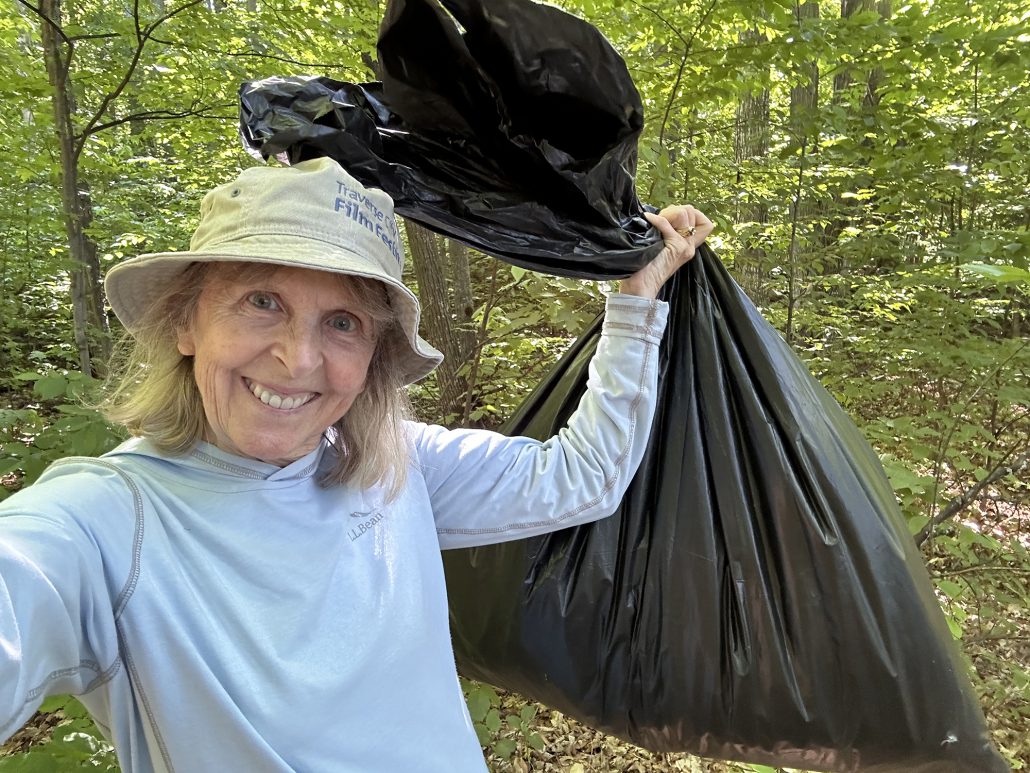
[950, 588]
[1000, 274]
[916, 524]
[493, 720]
[956, 629]
[478, 704]
[484, 735]
[51, 386]
[504, 748]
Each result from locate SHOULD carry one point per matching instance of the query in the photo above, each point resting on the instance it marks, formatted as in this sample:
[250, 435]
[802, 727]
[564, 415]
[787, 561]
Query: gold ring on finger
[687, 232]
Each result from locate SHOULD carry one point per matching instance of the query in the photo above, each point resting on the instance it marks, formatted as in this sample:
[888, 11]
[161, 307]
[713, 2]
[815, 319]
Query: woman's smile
[278, 400]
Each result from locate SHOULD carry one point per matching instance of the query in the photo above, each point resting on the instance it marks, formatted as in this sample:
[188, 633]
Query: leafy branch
[143, 34]
[687, 46]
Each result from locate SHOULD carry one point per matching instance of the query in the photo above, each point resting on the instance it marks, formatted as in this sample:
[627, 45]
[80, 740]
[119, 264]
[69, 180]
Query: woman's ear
[184, 342]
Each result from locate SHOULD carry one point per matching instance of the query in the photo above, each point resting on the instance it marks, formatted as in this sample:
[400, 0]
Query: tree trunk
[804, 98]
[804, 106]
[86, 287]
[751, 141]
[462, 306]
[432, 272]
[875, 77]
[843, 79]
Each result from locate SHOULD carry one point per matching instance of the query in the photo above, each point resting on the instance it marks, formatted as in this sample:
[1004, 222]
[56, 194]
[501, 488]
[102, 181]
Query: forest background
[866, 162]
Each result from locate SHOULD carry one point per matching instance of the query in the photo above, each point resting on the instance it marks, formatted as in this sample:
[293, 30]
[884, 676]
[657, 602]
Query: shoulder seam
[137, 541]
[123, 600]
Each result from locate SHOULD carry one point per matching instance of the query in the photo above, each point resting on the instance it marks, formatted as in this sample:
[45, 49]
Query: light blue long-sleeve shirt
[216, 613]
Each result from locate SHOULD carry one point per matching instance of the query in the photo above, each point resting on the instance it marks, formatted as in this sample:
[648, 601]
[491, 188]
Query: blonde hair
[153, 394]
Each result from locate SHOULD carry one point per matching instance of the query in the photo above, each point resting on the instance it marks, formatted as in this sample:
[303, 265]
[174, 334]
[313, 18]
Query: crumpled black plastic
[518, 137]
[757, 595]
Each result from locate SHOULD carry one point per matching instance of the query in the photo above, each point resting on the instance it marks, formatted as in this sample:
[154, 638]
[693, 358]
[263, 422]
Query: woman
[254, 583]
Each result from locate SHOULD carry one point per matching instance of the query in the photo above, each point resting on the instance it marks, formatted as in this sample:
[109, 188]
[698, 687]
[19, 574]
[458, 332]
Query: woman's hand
[683, 229]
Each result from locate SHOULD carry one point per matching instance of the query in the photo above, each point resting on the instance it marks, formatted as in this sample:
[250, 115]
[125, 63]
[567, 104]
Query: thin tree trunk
[751, 141]
[431, 273]
[843, 78]
[462, 305]
[804, 107]
[793, 270]
[87, 295]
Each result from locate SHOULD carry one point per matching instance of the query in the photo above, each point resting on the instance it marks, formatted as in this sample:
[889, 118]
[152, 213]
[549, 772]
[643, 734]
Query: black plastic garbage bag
[756, 597]
[518, 137]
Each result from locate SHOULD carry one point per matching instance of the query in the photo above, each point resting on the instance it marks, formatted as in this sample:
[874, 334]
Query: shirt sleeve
[485, 487]
[57, 629]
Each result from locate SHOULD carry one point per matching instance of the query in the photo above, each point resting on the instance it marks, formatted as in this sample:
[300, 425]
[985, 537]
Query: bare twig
[985, 567]
[942, 449]
[961, 502]
[164, 115]
[96, 36]
[247, 55]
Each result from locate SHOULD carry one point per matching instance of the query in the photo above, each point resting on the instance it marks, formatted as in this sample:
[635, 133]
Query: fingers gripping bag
[757, 596]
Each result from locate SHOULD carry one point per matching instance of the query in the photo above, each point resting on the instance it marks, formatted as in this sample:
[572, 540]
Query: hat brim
[134, 285]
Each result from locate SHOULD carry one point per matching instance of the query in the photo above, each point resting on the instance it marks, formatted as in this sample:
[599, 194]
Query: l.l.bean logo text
[368, 520]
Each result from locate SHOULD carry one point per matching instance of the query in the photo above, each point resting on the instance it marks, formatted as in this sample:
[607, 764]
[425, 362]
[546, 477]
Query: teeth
[274, 400]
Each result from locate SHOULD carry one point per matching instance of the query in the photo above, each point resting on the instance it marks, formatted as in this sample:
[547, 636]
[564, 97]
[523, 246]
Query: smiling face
[278, 357]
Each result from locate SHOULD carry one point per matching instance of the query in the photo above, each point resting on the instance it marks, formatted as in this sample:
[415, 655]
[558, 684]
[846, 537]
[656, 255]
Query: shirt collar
[206, 457]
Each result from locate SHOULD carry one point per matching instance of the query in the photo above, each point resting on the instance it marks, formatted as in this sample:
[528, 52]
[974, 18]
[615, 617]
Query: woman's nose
[299, 350]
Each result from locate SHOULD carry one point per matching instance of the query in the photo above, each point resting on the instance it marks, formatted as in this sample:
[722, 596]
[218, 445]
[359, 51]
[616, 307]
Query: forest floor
[571, 747]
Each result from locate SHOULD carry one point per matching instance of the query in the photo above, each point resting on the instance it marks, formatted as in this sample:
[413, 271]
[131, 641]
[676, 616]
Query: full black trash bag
[518, 137]
[757, 595]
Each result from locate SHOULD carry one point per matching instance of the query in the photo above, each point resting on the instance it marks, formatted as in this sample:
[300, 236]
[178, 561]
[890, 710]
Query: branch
[161, 115]
[97, 36]
[67, 63]
[664, 21]
[47, 20]
[142, 36]
[942, 448]
[961, 502]
[687, 44]
[246, 54]
[683, 64]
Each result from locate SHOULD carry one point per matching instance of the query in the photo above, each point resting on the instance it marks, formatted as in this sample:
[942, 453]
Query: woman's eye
[262, 300]
[344, 323]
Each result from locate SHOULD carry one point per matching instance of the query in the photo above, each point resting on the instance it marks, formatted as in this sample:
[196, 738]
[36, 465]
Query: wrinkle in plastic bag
[757, 595]
[515, 133]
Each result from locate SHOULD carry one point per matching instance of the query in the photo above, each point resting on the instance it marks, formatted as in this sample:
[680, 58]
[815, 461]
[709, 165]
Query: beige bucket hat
[310, 215]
